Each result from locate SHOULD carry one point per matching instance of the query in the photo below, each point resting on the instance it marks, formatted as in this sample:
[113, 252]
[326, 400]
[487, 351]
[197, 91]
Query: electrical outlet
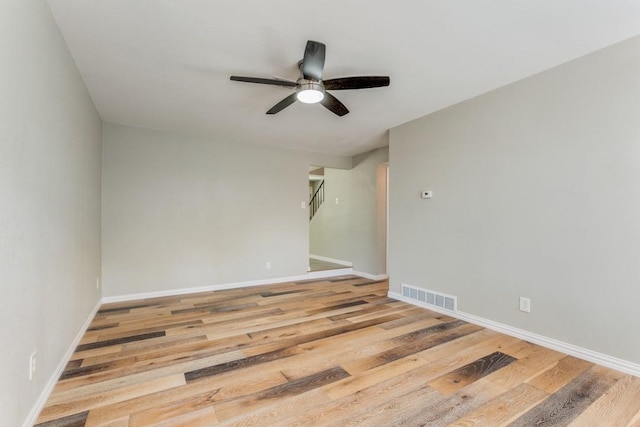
[32, 364]
[525, 304]
[268, 265]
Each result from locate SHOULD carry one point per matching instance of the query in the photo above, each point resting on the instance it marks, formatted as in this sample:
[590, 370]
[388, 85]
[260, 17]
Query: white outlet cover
[525, 304]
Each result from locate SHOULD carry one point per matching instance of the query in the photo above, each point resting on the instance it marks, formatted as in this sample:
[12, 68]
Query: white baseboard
[333, 260]
[237, 285]
[48, 388]
[570, 349]
[371, 276]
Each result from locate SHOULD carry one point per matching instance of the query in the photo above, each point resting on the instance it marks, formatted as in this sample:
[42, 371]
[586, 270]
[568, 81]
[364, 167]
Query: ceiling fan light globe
[310, 96]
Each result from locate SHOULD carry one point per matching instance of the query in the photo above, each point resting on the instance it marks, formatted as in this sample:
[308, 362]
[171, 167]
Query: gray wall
[348, 230]
[182, 212]
[50, 203]
[536, 194]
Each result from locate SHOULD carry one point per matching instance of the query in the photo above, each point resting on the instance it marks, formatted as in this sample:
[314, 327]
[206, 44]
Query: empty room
[367, 213]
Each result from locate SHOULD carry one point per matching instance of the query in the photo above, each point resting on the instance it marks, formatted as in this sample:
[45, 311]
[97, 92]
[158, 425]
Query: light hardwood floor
[318, 265]
[330, 352]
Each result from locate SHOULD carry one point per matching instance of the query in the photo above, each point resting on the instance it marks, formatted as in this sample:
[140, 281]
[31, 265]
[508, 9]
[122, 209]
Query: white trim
[570, 349]
[386, 231]
[371, 276]
[48, 388]
[333, 260]
[237, 285]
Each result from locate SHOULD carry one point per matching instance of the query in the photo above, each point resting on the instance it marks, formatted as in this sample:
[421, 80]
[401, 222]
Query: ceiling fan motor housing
[309, 91]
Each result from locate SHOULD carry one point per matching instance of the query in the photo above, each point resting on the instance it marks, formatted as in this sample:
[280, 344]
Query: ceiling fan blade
[264, 81]
[283, 104]
[332, 104]
[284, 79]
[313, 61]
[362, 82]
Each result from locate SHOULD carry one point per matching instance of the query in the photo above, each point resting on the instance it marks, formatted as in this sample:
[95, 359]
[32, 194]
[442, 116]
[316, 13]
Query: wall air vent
[430, 298]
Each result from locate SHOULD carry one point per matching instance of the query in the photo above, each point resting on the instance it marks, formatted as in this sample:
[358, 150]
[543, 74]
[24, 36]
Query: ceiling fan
[310, 88]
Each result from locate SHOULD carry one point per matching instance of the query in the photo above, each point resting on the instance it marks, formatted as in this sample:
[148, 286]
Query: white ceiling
[165, 64]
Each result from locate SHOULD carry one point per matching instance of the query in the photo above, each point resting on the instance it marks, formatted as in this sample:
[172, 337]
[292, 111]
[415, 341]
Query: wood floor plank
[617, 406]
[78, 419]
[392, 412]
[216, 333]
[504, 408]
[161, 325]
[530, 362]
[557, 376]
[570, 401]
[119, 422]
[464, 375]
[87, 402]
[329, 352]
[179, 413]
[476, 342]
[228, 409]
[242, 363]
[80, 355]
[413, 315]
[424, 371]
[359, 346]
[445, 409]
[439, 334]
[197, 394]
[190, 348]
[635, 422]
[277, 412]
[365, 400]
[354, 384]
[94, 357]
[321, 352]
[96, 383]
[333, 331]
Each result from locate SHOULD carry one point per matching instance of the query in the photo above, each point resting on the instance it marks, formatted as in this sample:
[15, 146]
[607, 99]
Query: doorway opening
[326, 219]
[348, 218]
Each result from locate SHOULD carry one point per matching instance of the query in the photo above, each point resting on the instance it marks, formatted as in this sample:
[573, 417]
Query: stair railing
[316, 200]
